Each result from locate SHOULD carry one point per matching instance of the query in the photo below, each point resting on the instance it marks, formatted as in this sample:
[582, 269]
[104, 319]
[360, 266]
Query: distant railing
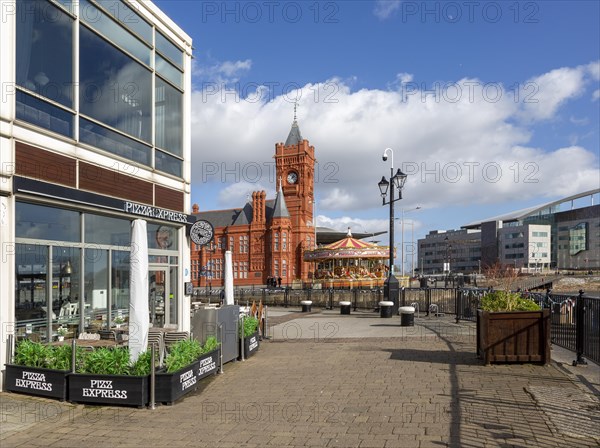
[575, 319]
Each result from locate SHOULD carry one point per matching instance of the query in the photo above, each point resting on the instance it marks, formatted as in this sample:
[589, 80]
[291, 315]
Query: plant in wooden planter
[511, 328]
[107, 377]
[186, 363]
[40, 369]
[251, 340]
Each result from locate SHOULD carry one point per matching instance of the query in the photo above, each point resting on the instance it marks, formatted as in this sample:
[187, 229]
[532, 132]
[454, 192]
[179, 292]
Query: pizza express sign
[155, 212]
[202, 232]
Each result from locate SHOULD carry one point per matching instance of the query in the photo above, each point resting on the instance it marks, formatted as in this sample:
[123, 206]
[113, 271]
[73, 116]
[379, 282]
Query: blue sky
[490, 106]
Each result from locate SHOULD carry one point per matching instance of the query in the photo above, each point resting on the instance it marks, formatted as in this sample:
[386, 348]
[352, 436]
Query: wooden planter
[123, 390]
[514, 336]
[36, 381]
[251, 344]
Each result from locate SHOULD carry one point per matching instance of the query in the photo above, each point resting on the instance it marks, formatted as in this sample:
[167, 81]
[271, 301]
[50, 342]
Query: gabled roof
[245, 216]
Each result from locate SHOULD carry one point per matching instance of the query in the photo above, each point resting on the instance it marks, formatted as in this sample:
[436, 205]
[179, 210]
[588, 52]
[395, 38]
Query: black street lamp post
[391, 285]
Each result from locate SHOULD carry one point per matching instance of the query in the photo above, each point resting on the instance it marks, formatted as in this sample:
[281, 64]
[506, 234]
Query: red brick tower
[295, 170]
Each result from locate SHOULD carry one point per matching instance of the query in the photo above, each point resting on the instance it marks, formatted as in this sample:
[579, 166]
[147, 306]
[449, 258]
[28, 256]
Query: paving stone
[399, 389]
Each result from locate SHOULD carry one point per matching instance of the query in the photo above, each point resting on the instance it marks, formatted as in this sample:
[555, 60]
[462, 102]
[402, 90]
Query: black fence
[575, 319]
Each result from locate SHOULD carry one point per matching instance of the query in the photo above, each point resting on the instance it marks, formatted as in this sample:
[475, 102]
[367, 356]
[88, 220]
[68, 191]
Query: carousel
[349, 263]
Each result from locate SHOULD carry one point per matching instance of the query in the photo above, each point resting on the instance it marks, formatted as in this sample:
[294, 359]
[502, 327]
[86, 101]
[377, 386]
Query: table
[94, 343]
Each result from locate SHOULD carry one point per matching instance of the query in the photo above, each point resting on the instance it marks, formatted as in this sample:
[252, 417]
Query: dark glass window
[103, 23]
[169, 72]
[169, 118]
[167, 163]
[169, 50]
[162, 237]
[101, 137]
[129, 18]
[114, 89]
[45, 50]
[46, 223]
[43, 114]
[107, 230]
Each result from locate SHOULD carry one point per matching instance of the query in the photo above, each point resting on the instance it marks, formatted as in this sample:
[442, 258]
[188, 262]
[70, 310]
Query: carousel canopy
[348, 247]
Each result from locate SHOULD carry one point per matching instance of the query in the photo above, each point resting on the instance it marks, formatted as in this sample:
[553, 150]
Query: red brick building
[267, 237]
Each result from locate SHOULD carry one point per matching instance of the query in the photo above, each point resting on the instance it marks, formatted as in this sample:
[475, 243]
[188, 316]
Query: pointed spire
[294, 137]
[280, 208]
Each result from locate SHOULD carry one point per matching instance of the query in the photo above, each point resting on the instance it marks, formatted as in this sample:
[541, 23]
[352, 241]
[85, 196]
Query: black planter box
[251, 344]
[172, 386]
[208, 364]
[36, 381]
[121, 390]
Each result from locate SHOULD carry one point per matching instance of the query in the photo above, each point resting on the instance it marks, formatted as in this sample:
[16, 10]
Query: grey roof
[294, 137]
[280, 209]
[245, 216]
[235, 216]
[531, 211]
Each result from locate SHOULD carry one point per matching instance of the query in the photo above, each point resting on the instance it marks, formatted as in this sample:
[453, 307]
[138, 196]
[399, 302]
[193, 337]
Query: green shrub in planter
[507, 301]
[36, 354]
[40, 370]
[210, 345]
[250, 326]
[182, 354]
[107, 361]
[31, 354]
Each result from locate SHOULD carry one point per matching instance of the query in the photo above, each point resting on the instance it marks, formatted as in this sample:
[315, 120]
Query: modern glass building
[559, 235]
[94, 133]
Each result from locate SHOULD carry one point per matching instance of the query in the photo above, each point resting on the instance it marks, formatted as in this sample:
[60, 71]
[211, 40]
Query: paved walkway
[342, 381]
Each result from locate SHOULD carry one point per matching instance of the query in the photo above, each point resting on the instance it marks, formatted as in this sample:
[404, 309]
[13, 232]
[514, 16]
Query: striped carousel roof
[347, 248]
[349, 243]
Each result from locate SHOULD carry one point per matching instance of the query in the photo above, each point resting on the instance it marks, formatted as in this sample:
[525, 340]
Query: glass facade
[114, 88]
[41, 26]
[72, 270]
[116, 69]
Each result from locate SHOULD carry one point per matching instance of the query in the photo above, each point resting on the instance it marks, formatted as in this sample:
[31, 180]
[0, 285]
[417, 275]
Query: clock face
[202, 232]
[292, 177]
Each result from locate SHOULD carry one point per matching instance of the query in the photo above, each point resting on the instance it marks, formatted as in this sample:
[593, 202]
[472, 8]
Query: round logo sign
[202, 232]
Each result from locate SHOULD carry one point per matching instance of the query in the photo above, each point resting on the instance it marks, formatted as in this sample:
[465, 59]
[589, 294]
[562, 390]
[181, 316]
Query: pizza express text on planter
[251, 344]
[172, 386]
[36, 381]
[109, 389]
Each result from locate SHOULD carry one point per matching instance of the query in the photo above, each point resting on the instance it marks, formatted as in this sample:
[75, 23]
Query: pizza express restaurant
[72, 252]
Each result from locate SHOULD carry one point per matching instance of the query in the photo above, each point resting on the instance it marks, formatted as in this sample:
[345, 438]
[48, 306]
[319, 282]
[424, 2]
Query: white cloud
[356, 225]
[464, 145]
[237, 194]
[385, 8]
[222, 72]
[596, 95]
[544, 94]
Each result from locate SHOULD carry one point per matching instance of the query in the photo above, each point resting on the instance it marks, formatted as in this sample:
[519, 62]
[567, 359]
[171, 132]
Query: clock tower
[295, 175]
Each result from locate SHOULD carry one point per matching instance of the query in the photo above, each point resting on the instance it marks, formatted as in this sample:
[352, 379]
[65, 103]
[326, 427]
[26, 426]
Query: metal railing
[575, 319]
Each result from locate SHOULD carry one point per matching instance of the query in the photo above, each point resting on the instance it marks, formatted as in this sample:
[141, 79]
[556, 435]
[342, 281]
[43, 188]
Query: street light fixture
[397, 181]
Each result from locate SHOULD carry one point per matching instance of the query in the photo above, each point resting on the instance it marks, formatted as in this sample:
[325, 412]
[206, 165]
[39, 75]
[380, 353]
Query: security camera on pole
[391, 285]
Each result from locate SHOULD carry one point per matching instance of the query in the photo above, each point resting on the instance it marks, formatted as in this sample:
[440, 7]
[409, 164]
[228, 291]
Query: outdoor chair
[156, 338]
[108, 334]
[172, 337]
